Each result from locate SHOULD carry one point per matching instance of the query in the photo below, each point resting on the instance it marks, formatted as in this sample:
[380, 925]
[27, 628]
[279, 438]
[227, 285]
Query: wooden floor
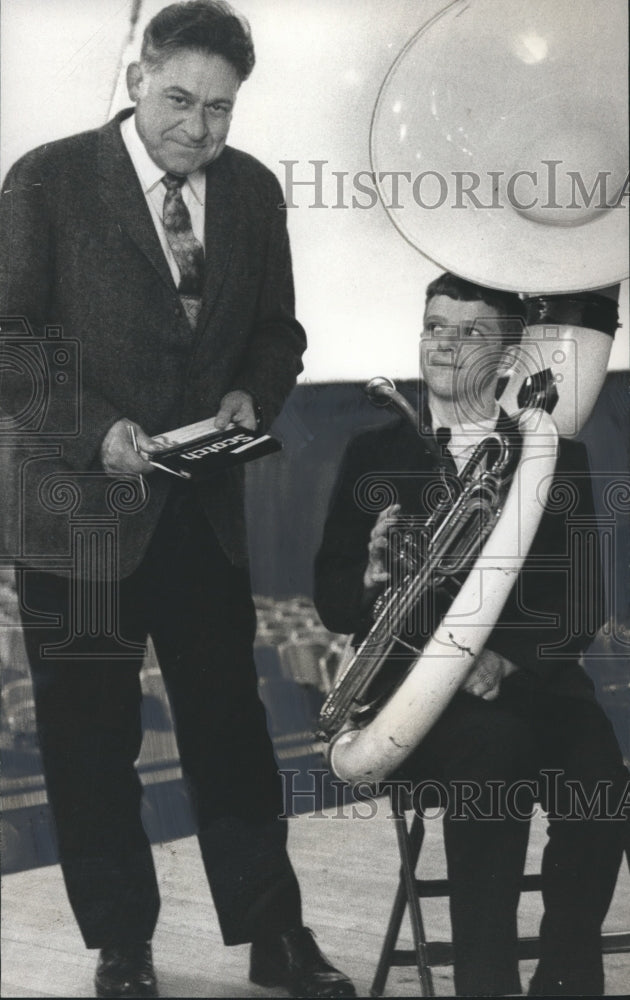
[347, 868]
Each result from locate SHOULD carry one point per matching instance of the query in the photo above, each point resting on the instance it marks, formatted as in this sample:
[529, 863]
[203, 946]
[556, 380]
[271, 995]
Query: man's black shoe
[294, 961]
[126, 971]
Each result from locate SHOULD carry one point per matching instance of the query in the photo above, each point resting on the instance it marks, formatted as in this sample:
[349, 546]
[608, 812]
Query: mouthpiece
[381, 391]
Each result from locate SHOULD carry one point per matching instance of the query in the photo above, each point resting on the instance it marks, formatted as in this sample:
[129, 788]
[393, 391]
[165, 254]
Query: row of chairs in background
[296, 661]
[307, 652]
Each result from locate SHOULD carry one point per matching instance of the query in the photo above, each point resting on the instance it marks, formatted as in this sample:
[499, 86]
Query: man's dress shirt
[150, 178]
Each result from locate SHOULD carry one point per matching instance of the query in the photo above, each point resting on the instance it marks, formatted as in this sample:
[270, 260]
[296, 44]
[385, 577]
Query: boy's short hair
[508, 305]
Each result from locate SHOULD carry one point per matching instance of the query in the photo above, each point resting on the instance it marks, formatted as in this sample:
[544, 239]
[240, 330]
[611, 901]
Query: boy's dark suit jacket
[79, 249]
[544, 609]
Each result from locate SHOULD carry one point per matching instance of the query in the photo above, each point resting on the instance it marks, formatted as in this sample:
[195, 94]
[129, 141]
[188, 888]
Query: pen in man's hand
[134, 439]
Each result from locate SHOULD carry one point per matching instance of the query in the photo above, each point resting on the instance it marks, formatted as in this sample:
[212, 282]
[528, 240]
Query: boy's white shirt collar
[474, 427]
[466, 436]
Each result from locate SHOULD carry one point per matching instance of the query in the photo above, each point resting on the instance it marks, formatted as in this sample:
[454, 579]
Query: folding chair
[426, 954]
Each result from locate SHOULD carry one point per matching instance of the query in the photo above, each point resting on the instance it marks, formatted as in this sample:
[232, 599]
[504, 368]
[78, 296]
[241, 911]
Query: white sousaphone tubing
[372, 753]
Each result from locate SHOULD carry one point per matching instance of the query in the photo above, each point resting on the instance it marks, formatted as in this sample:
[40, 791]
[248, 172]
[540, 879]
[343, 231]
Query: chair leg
[409, 844]
[391, 937]
[409, 857]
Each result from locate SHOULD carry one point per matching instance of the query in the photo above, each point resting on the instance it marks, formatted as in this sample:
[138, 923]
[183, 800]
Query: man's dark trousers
[198, 609]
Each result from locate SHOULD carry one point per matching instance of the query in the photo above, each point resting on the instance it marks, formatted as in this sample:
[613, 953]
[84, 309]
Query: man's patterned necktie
[187, 250]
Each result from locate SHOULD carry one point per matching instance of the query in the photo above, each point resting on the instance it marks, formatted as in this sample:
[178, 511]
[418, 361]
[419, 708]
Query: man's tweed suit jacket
[79, 250]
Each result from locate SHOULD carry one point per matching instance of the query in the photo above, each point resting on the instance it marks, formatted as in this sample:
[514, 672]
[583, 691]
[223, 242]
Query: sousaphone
[509, 124]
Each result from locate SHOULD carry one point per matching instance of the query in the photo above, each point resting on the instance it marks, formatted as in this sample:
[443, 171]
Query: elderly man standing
[164, 254]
